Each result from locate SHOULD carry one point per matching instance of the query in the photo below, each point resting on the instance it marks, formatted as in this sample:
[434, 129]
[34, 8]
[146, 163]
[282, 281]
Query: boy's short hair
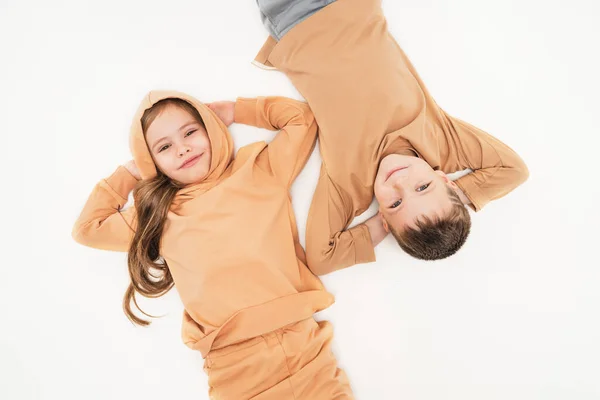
[439, 237]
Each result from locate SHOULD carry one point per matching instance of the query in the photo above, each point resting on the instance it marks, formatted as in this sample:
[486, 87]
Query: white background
[515, 315]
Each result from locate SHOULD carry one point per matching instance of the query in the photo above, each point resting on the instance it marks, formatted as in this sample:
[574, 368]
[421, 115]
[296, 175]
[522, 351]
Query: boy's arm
[102, 224]
[330, 246]
[497, 169]
[377, 229]
[291, 148]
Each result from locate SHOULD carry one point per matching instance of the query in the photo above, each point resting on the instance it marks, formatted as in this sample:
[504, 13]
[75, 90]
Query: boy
[380, 133]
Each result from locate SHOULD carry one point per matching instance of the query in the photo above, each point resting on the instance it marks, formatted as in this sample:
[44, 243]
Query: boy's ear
[443, 175]
[384, 223]
[446, 179]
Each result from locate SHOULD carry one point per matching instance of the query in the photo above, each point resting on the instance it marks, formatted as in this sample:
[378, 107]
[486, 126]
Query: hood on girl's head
[178, 148]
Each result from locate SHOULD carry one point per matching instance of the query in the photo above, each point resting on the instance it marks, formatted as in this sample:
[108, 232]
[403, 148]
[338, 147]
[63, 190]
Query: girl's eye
[396, 203]
[166, 146]
[425, 186]
[190, 132]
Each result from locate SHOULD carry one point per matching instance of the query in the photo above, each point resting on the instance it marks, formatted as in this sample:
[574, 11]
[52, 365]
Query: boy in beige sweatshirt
[381, 133]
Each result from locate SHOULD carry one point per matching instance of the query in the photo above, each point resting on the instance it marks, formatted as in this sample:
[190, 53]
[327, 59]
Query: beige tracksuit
[231, 244]
[369, 102]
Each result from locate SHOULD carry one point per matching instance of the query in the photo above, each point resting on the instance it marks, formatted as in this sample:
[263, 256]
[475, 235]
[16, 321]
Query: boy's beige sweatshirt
[369, 102]
[230, 242]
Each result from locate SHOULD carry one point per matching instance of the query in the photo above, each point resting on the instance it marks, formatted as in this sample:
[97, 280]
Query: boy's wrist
[376, 228]
[463, 197]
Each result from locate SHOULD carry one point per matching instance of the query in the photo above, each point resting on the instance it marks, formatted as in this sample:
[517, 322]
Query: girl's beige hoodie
[230, 242]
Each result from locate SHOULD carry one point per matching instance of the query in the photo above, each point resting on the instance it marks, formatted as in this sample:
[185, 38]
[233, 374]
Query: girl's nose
[184, 150]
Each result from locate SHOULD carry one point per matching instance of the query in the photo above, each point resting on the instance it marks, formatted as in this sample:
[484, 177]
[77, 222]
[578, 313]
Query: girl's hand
[133, 169]
[225, 110]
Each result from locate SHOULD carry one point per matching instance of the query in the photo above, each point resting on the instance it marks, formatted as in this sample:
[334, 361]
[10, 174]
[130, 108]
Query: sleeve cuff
[245, 111]
[364, 251]
[472, 191]
[120, 183]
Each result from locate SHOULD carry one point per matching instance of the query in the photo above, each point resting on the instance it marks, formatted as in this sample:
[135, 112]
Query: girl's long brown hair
[149, 272]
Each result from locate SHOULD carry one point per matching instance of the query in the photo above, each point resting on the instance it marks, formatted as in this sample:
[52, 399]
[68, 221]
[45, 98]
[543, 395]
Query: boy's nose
[398, 181]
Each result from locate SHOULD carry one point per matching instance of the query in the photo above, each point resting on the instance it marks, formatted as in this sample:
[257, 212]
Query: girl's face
[179, 145]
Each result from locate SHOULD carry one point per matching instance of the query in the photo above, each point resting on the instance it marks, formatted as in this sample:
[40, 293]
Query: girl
[221, 229]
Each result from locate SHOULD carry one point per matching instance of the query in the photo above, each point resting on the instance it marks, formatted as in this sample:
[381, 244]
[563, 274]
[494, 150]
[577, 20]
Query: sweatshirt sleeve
[330, 246]
[102, 224]
[290, 149]
[497, 169]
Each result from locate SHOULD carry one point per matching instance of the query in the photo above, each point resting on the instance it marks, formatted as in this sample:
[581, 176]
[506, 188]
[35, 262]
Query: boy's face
[179, 145]
[407, 187]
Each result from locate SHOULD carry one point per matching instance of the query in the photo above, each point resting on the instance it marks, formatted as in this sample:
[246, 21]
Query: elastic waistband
[260, 320]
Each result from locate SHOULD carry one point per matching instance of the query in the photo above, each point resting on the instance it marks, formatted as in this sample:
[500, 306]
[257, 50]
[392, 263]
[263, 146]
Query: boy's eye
[396, 203]
[190, 132]
[423, 187]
